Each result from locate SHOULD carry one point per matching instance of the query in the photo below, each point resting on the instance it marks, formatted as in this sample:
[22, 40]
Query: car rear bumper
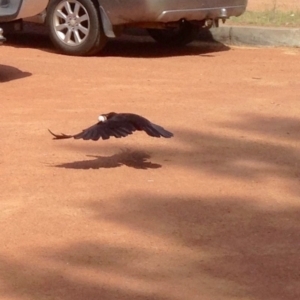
[200, 14]
[171, 10]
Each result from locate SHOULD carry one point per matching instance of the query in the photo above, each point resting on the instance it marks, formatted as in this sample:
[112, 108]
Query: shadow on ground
[8, 73]
[181, 246]
[239, 155]
[128, 45]
[32, 36]
[283, 128]
[197, 247]
[142, 46]
[132, 159]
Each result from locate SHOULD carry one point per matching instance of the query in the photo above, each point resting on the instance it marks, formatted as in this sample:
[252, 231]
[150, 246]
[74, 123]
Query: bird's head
[102, 118]
[105, 117]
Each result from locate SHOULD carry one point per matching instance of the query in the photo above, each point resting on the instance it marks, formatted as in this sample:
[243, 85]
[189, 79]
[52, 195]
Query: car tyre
[75, 27]
[181, 35]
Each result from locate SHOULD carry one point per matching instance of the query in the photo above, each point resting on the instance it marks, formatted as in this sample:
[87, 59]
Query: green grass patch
[267, 18]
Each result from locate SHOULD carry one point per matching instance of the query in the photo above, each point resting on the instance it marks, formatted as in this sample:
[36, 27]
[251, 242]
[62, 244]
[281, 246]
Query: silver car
[82, 27]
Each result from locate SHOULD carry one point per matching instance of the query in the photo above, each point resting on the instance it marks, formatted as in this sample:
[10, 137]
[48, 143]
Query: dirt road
[211, 214]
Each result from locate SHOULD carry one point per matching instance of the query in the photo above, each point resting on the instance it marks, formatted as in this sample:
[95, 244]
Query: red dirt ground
[213, 213]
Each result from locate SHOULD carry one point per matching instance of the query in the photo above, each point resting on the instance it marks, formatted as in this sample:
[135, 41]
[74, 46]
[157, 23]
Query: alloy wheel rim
[71, 22]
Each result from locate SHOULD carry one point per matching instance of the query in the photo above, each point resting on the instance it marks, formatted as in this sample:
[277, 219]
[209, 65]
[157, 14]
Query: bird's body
[117, 125]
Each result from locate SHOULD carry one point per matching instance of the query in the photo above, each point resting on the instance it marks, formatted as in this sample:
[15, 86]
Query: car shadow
[8, 73]
[133, 159]
[137, 44]
[133, 43]
[32, 36]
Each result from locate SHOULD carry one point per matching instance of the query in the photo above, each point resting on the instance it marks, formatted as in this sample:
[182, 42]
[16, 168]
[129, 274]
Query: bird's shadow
[132, 159]
[8, 73]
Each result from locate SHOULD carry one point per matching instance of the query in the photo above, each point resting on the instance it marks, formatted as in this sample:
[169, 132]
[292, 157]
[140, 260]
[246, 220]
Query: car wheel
[181, 35]
[75, 27]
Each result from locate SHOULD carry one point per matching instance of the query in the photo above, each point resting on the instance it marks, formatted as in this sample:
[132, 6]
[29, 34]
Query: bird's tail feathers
[60, 136]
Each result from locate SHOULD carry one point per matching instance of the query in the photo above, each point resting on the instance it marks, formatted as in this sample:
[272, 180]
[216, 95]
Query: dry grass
[281, 5]
[274, 17]
[276, 13]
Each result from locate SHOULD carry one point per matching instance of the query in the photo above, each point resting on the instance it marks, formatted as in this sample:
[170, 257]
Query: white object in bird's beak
[102, 118]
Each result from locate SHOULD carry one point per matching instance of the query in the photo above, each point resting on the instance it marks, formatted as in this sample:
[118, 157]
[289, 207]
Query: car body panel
[135, 11]
[68, 23]
[32, 7]
[11, 10]
[120, 12]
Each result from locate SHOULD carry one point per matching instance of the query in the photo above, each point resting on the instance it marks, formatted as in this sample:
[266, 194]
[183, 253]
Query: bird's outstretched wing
[97, 131]
[141, 123]
[117, 125]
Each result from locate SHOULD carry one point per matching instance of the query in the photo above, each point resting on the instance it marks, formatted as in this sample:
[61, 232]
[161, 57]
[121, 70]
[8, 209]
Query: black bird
[117, 125]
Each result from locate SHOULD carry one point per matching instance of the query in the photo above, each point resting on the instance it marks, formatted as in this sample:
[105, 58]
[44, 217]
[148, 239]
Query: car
[83, 27]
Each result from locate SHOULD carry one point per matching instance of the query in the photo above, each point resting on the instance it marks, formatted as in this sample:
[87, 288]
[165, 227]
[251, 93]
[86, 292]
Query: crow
[117, 125]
